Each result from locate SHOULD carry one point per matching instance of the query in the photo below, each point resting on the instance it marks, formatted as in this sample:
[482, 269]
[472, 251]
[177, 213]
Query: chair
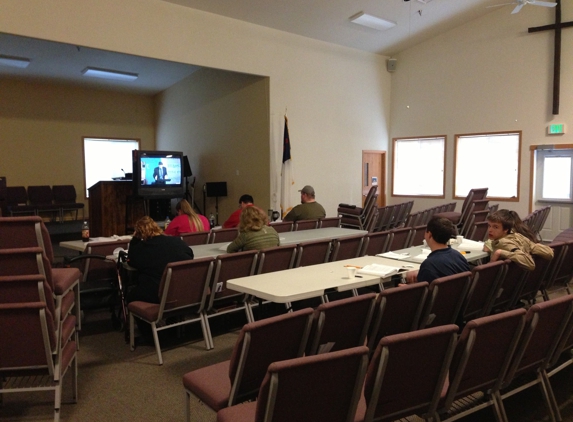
[42, 199]
[400, 218]
[277, 258]
[341, 324]
[478, 232]
[183, 290]
[559, 253]
[282, 226]
[40, 359]
[474, 218]
[397, 310]
[534, 279]
[384, 218]
[356, 217]
[562, 275]
[510, 287]
[482, 357]
[474, 211]
[196, 238]
[312, 253]
[259, 344]
[305, 225]
[545, 324]
[457, 217]
[17, 201]
[387, 395]
[445, 299]
[228, 266]
[288, 391]
[328, 222]
[65, 198]
[223, 235]
[418, 234]
[400, 238]
[484, 286]
[346, 248]
[376, 243]
[29, 232]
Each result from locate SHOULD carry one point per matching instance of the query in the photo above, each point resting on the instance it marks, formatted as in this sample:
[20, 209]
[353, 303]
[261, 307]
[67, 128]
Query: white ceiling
[326, 20]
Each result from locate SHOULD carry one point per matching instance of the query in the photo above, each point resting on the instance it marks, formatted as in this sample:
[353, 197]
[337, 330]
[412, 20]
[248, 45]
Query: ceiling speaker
[391, 65]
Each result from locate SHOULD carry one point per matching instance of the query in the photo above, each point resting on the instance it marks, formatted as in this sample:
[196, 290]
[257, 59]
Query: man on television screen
[160, 173]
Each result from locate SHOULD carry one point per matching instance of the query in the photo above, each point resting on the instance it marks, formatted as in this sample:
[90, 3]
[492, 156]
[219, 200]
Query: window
[555, 175]
[107, 159]
[418, 166]
[489, 160]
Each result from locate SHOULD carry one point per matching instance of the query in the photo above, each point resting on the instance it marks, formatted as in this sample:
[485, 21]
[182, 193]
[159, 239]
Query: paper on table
[124, 237]
[378, 270]
[393, 255]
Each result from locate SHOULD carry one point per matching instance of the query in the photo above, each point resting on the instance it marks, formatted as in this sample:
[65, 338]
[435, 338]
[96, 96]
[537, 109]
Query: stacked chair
[360, 218]
[392, 216]
[474, 201]
[536, 220]
[39, 313]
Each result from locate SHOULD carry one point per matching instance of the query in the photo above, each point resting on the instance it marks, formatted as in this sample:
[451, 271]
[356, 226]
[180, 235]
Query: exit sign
[556, 129]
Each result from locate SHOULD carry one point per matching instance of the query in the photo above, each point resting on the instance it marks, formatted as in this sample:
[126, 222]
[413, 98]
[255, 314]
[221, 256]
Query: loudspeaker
[186, 167]
[216, 189]
[391, 65]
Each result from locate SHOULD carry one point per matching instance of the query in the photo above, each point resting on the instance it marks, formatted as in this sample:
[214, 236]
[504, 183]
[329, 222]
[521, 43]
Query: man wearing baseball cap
[308, 209]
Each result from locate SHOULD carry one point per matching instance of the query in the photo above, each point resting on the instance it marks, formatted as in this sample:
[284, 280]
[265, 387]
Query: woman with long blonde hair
[254, 232]
[187, 220]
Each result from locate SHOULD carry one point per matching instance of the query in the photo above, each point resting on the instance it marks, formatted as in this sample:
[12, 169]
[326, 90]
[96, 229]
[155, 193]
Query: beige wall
[220, 120]
[488, 75]
[42, 126]
[338, 99]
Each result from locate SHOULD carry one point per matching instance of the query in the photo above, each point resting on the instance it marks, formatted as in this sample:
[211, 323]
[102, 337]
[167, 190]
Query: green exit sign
[556, 129]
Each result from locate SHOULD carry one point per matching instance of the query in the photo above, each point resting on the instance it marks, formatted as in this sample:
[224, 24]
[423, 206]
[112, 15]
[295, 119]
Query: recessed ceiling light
[109, 74]
[372, 21]
[20, 62]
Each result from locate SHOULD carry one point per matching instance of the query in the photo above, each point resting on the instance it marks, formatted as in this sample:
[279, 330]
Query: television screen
[158, 174]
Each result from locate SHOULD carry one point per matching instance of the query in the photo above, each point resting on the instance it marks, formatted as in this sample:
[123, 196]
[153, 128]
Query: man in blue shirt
[443, 260]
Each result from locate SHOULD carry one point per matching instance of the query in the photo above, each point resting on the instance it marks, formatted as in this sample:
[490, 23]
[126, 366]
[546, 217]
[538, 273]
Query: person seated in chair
[443, 260]
[308, 209]
[235, 218]
[254, 232]
[187, 220]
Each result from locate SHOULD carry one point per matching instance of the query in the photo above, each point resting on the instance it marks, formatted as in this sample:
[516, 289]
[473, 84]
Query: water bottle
[211, 220]
[85, 232]
[167, 221]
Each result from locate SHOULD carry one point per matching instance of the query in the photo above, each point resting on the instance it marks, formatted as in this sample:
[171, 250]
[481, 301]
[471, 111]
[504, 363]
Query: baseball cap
[309, 190]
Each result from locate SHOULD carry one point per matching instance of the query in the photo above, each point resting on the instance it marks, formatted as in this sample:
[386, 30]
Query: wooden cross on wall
[557, 27]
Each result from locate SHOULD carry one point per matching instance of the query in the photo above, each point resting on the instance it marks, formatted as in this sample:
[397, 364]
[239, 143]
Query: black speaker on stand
[189, 193]
[215, 190]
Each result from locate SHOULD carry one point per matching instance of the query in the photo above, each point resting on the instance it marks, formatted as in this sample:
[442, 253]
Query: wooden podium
[113, 208]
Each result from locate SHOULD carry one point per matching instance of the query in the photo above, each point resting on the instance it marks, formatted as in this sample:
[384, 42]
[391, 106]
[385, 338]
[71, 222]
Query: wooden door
[374, 173]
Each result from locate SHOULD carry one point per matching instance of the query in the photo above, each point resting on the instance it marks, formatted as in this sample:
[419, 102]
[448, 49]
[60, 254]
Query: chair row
[392, 216]
[267, 364]
[420, 218]
[36, 200]
[228, 235]
[536, 220]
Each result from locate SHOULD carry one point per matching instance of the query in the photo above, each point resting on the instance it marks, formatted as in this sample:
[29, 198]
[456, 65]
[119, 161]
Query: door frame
[381, 201]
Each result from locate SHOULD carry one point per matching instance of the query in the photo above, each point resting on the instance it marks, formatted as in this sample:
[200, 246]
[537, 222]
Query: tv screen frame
[152, 181]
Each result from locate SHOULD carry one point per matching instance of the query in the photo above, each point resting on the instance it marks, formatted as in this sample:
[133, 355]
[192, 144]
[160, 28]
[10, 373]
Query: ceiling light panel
[11, 61]
[109, 74]
[373, 22]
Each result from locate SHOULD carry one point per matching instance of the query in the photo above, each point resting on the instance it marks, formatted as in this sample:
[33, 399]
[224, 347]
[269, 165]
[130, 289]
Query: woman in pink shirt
[187, 220]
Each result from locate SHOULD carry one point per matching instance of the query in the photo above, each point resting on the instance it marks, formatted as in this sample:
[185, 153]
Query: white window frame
[418, 166]
[543, 154]
[104, 159]
[491, 160]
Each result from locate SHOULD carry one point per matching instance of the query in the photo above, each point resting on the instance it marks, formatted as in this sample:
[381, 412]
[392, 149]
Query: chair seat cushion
[453, 216]
[147, 311]
[351, 211]
[244, 412]
[210, 384]
[65, 279]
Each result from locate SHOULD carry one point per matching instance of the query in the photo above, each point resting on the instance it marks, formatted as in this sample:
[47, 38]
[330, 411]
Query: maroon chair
[259, 344]
[341, 324]
[277, 258]
[312, 253]
[17, 201]
[346, 248]
[223, 235]
[289, 390]
[305, 225]
[484, 287]
[445, 299]
[282, 226]
[534, 279]
[376, 243]
[397, 310]
[510, 287]
[42, 199]
[388, 395]
[400, 238]
[196, 238]
[328, 222]
[481, 360]
[65, 199]
[545, 324]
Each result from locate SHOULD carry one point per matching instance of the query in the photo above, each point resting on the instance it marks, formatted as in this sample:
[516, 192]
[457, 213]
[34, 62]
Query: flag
[287, 179]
